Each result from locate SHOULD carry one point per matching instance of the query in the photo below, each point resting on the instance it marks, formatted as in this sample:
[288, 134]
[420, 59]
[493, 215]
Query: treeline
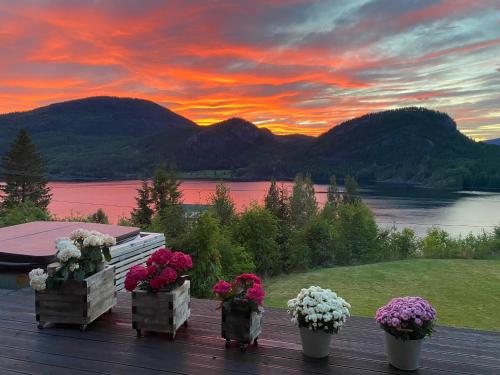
[289, 232]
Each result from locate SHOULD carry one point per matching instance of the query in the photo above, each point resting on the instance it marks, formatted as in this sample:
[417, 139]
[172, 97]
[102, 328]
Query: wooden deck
[111, 347]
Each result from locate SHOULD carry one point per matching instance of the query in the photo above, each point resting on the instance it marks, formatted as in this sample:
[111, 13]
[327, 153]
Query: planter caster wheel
[243, 347]
[186, 323]
[83, 327]
[228, 344]
[255, 342]
[138, 332]
[40, 325]
[110, 311]
[171, 336]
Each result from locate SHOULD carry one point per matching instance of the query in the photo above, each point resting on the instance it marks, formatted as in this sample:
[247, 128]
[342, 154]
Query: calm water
[457, 212]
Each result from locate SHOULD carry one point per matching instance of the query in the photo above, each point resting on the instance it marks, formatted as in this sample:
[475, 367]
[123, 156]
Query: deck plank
[110, 346]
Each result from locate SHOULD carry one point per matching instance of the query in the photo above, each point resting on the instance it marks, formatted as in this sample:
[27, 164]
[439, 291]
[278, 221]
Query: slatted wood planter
[241, 325]
[161, 311]
[134, 252]
[77, 302]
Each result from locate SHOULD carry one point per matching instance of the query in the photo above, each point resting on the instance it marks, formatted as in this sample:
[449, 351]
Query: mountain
[495, 141]
[119, 138]
[413, 145]
[98, 137]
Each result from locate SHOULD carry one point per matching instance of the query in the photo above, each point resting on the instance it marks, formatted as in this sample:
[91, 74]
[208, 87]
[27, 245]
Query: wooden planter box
[77, 302]
[240, 325]
[161, 311]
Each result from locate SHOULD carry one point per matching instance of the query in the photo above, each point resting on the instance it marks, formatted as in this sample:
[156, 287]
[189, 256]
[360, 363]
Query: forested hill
[119, 138]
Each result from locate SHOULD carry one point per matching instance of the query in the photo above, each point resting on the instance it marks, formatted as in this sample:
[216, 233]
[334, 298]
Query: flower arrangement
[164, 270]
[246, 291]
[407, 318]
[319, 309]
[78, 256]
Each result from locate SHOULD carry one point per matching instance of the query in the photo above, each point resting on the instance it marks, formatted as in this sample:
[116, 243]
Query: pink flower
[161, 257]
[130, 282]
[152, 269]
[139, 272]
[246, 278]
[222, 288]
[256, 294]
[181, 261]
[156, 283]
[168, 275]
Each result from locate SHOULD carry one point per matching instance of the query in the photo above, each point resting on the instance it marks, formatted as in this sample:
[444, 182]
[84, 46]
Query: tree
[167, 198]
[354, 233]
[24, 174]
[351, 190]
[257, 230]
[333, 196]
[143, 213]
[222, 204]
[303, 204]
[272, 199]
[202, 243]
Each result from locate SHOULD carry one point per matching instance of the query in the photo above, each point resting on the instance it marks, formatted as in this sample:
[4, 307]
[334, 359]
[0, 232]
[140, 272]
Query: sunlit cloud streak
[290, 66]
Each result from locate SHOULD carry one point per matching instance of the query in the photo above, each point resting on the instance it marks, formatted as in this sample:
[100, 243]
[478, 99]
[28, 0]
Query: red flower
[152, 269]
[130, 282]
[222, 288]
[256, 294]
[248, 278]
[181, 261]
[161, 257]
[138, 272]
[168, 275]
[156, 283]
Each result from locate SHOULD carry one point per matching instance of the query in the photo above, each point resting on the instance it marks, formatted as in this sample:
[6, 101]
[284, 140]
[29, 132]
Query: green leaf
[79, 275]
[64, 272]
[106, 253]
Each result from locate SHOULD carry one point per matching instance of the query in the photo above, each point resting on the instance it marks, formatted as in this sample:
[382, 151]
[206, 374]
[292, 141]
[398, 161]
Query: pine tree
[351, 190]
[142, 214]
[24, 174]
[303, 204]
[272, 199]
[222, 204]
[333, 195]
[165, 191]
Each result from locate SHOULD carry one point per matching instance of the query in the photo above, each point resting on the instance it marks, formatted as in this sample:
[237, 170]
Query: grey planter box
[161, 311]
[241, 325]
[77, 302]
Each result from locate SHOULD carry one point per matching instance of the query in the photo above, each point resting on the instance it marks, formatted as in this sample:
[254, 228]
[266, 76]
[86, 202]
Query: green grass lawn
[465, 293]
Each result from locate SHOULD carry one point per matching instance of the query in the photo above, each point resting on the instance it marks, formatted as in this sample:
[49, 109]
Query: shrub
[23, 213]
[235, 259]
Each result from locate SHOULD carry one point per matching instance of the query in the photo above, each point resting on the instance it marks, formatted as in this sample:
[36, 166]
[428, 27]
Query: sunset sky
[289, 65]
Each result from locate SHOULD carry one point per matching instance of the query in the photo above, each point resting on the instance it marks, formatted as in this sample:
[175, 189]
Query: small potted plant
[319, 313]
[241, 305]
[78, 288]
[160, 292]
[406, 322]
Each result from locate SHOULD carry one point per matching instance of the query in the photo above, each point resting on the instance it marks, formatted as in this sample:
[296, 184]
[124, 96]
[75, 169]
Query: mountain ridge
[122, 138]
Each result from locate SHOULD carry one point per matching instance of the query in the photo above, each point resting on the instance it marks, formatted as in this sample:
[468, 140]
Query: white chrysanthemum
[38, 279]
[316, 307]
[79, 234]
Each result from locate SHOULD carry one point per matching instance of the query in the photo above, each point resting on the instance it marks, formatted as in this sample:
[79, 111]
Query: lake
[401, 206]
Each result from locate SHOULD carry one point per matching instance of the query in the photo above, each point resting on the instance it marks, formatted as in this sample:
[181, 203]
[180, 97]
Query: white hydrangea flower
[38, 279]
[109, 240]
[67, 250]
[74, 266]
[93, 241]
[79, 234]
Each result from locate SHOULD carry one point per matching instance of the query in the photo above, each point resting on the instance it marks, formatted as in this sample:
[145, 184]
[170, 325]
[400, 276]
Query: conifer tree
[303, 204]
[143, 213]
[222, 204]
[24, 174]
[351, 190]
[272, 199]
[333, 195]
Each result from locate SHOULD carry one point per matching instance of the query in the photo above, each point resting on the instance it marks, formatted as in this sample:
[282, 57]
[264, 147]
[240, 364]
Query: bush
[354, 234]
[23, 213]
[202, 243]
[235, 259]
[257, 231]
[398, 245]
[438, 244]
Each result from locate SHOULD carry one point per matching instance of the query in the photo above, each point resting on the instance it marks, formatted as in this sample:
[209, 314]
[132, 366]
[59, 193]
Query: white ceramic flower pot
[315, 344]
[404, 355]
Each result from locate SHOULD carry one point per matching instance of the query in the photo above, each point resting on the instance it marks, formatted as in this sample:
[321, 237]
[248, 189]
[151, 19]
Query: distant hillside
[413, 145]
[119, 138]
[495, 141]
